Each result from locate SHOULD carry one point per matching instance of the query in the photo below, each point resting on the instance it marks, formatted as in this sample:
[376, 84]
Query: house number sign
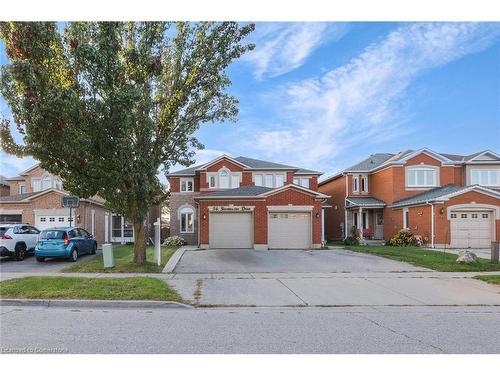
[231, 208]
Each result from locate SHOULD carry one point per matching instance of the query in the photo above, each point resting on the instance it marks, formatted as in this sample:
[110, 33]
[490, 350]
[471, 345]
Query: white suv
[17, 239]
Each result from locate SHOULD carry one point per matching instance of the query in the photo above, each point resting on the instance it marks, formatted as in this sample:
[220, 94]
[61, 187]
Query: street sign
[70, 202]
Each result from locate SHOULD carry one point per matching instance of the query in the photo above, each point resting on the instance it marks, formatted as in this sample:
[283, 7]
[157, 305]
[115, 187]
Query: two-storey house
[247, 203]
[35, 197]
[448, 200]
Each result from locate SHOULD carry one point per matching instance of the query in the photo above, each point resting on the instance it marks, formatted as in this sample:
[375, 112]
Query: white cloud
[362, 101]
[11, 166]
[282, 47]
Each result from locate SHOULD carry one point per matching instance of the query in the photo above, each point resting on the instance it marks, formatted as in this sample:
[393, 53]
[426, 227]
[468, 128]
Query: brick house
[35, 198]
[247, 203]
[449, 200]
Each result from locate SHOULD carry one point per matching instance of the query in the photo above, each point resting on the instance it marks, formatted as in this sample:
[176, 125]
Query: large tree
[106, 105]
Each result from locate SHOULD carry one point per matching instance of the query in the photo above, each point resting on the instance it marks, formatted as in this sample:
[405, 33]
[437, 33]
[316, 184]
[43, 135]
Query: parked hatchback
[64, 243]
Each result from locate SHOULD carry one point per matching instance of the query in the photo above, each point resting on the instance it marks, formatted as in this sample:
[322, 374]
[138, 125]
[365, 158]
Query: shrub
[174, 241]
[351, 241]
[403, 238]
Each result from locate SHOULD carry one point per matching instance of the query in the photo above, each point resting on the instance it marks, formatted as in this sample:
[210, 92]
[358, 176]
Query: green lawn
[124, 255]
[60, 287]
[492, 279]
[435, 260]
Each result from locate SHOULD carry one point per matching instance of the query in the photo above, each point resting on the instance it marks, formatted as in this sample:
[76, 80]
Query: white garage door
[50, 221]
[231, 231]
[289, 230]
[471, 229]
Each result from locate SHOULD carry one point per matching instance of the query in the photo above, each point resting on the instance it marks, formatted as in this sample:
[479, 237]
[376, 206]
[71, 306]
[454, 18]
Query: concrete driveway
[30, 265]
[303, 261]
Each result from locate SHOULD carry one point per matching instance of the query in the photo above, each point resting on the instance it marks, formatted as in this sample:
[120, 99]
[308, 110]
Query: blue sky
[326, 95]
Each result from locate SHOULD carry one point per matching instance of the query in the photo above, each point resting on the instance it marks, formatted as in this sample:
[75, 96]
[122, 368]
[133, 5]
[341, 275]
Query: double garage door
[50, 221]
[286, 230]
[471, 229]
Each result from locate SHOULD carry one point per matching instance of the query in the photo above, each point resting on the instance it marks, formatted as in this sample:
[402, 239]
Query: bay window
[421, 176]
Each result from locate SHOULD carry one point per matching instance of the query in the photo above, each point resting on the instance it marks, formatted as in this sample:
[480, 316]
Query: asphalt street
[251, 330]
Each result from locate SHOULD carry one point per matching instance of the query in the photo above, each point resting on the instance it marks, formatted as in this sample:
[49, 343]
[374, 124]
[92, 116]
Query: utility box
[107, 255]
[495, 250]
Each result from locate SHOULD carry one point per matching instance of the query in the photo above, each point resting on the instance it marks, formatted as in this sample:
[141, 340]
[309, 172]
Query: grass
[492, 279]
[436, 260]
[60, 287]
[124, 261]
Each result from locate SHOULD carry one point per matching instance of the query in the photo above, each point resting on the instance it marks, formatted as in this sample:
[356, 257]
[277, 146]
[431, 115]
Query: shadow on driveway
[30, 265]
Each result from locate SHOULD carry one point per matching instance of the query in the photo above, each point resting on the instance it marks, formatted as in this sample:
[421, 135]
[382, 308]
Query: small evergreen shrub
[403, 238]
[174, 241]
[351, 241]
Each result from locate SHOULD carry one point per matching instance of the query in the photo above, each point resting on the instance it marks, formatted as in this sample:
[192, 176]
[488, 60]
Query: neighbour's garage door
[289, 230]
[50, 221]
[231, 231]
[471, 229]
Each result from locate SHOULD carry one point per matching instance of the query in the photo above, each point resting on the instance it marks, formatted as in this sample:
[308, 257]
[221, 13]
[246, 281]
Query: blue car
[64, 243]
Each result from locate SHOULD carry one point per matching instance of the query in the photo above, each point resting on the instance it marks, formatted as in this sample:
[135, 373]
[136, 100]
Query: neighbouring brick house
[246, 203]
[35, 198]
[449, 200]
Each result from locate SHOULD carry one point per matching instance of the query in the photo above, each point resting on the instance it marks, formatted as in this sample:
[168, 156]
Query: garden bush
[351, 241]
[174, 241]
[403, 238]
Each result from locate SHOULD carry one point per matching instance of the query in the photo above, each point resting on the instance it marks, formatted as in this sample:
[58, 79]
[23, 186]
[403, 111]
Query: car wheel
[20, 252]
[40, 259]
[94, 249]
[73, 256]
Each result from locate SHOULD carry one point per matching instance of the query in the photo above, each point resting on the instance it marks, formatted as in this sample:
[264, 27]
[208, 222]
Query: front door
[379, 225]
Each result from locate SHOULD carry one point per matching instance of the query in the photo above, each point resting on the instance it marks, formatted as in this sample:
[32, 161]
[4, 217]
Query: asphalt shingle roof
[364, 201]
[373, 161]
[252, 163]
[429, 195]
[244, 191]
[18, 197]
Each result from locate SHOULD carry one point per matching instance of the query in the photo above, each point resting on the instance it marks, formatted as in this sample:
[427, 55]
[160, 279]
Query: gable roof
[441, 194]
[247, 163]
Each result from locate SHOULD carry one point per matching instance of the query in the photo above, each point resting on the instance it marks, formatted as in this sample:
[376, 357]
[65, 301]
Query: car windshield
[53, 235]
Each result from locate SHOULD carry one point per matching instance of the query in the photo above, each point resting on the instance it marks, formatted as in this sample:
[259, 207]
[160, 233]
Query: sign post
[70, 202]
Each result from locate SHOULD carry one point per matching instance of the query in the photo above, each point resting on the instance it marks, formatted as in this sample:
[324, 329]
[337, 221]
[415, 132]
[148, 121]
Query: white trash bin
[107, 255]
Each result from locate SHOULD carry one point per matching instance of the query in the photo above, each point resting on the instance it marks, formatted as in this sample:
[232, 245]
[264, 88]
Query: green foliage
[106, 105]
[403, 238]
[351, 241]
[174, 241]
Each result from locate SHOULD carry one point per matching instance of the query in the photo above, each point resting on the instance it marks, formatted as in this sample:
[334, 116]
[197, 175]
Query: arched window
[58, 184]
[46, 183]
[186, 217]
[224, 181]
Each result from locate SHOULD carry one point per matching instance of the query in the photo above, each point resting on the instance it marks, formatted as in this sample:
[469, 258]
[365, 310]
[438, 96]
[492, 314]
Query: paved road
[263, 330]
[232, 260]
[30, 265]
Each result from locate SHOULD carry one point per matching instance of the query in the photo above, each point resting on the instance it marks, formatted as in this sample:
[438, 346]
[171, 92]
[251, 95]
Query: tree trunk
[140, 242]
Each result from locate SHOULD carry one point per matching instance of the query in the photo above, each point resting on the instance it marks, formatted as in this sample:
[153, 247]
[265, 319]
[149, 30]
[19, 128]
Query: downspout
[345, 205]
[432, 223]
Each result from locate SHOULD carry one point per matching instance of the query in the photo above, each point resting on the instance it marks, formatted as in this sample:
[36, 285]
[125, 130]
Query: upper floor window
[422, 176]
[270, 180]
[224, 179]
[364, 184]
[302, 181]
[485, 177]
[355, 184]
[58, 184]
[22, 188]
[46, 182]
[187, 185]
[37, 185]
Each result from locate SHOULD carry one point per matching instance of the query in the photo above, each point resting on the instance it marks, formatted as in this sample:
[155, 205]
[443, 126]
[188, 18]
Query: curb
[175, 258]
[94, 303]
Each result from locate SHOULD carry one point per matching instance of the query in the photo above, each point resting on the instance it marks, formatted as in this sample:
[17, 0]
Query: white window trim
[49, 179]
[365, 179]
[425, 168]
[21, 186]
[33, 181]
[274, 174]
[489, 173]
[186, 179]
[184, 210]
[355, 184]
[405, 223]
